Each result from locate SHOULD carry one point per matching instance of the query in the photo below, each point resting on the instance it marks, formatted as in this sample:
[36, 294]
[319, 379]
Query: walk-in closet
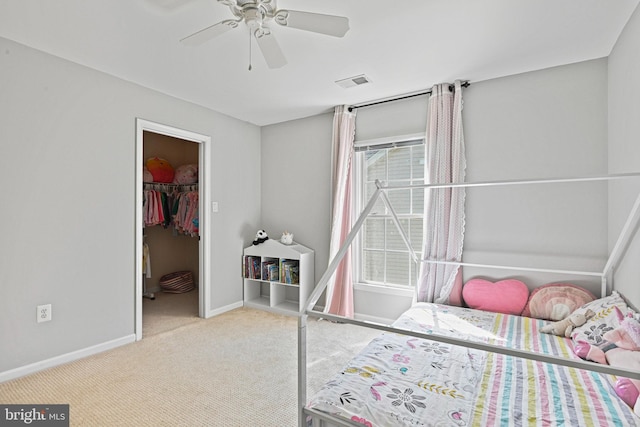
[170, 232]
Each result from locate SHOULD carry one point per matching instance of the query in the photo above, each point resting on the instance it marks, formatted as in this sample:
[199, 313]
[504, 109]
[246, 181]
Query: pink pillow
[506, 296]
[556, 301]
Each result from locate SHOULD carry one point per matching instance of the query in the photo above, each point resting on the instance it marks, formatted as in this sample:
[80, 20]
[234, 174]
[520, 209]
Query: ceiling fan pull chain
[249, 49]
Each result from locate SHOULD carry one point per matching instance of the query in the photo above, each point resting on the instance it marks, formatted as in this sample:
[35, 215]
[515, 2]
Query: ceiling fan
[258, 14]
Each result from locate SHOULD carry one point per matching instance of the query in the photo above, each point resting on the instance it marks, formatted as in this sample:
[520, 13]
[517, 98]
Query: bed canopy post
[302, 367]
[606, 284]
[606, 276]
[313, 299]
[396, 221]
[333, 265]
[617, 253]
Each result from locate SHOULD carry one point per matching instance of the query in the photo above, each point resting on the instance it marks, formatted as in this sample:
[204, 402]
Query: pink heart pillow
[506, 296]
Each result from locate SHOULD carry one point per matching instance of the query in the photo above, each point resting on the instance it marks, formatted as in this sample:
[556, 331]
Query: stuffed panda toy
[261, 236]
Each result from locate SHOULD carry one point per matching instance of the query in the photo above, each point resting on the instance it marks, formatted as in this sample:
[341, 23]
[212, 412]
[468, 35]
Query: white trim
[385, 290]
[205, 225]
[224, 309]
[65, 358]
[358, 199]
[390, 139]
[204, 166]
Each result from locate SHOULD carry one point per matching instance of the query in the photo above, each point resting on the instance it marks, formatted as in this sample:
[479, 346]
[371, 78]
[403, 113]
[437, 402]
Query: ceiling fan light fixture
[253, 17]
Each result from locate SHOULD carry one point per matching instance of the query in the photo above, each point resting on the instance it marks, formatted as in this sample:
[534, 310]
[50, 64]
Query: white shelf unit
[272, 293]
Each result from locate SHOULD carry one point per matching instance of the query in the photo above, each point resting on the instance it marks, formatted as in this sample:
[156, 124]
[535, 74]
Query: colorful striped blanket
[399, 380]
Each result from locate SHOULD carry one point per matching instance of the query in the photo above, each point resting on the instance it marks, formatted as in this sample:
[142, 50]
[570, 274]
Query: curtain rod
[426, 92]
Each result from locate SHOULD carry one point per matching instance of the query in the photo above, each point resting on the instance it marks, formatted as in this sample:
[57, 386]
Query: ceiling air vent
[353, 81]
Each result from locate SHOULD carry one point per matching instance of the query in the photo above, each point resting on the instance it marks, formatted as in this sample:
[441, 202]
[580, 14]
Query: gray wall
[296, 167]
[548, 123]
[545, 124]
[67, 224]
[624, 148]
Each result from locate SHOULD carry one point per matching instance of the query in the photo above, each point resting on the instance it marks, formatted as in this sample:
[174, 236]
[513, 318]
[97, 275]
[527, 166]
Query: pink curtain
[339, 296]
[444, 208]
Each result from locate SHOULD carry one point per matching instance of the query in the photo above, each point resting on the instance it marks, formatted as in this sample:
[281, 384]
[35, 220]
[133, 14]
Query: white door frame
[204, 226]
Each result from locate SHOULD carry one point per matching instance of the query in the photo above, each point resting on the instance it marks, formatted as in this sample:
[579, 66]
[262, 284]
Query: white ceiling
[402, 46]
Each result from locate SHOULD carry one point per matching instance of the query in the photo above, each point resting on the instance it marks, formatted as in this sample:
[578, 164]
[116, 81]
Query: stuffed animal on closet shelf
[146, 175]
[160, 169]
[186, 174]
[564, 327]
[621, 348]
[261, 236]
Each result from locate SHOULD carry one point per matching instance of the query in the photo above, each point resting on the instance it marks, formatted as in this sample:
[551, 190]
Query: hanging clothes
[171, 206]
[146, 261]
[185, 213]
[156, 208]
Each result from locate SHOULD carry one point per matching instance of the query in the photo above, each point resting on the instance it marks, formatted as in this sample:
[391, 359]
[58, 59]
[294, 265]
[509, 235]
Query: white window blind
[382, 257]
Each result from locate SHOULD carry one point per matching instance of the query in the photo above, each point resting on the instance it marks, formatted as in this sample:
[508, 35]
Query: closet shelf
[160, 186]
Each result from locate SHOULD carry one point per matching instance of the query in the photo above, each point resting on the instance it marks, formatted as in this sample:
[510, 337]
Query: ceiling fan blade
[211, 32]
[270, 48]
[330, 25]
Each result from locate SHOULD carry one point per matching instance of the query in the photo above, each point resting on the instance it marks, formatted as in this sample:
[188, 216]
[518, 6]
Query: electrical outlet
[44, 313]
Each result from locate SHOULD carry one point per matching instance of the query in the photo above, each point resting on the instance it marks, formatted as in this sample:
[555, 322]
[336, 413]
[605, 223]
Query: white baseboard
[217, 311]
[65, 358]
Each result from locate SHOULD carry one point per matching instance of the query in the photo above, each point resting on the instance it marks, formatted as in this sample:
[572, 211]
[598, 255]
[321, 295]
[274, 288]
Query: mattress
[399, 380]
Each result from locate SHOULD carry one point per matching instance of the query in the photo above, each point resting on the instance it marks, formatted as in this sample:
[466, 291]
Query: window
[381, 255]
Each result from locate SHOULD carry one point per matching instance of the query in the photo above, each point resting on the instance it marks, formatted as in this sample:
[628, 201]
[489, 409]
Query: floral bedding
[399, 380]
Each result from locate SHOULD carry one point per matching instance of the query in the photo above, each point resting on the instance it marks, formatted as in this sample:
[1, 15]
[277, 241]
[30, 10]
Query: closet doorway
[169, 249]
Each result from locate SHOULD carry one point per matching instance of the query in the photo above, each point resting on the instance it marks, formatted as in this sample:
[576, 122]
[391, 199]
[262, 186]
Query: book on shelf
[252, 267]
[270, 271]
[289, 271]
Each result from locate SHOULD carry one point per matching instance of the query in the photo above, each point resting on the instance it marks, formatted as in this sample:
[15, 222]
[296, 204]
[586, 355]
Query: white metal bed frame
[606, 275]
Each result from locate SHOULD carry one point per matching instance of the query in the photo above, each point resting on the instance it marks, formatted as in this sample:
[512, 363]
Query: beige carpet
[168, 311]
[236, 369]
